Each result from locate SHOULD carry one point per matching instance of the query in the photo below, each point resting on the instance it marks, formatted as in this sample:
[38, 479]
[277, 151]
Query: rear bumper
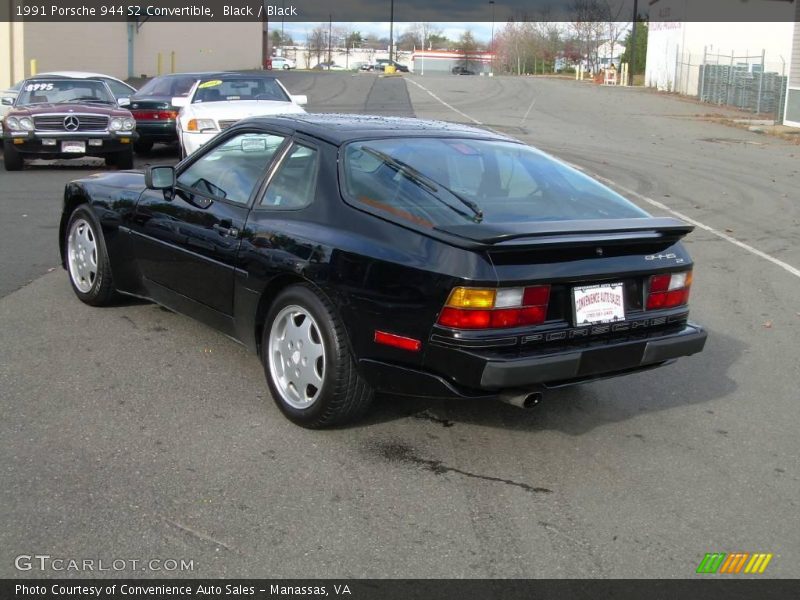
[161, 131]
[466, 374]
[591, 363]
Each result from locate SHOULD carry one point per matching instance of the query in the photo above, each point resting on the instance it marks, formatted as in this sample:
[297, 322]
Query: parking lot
[132, 432]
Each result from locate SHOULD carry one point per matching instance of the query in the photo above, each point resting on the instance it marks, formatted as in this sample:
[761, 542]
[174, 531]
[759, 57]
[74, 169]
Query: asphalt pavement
[135, 433]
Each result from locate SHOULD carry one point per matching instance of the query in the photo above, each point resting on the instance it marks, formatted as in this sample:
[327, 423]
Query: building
[744, 64]
[443, 61]
[124, 49]
[792, 110]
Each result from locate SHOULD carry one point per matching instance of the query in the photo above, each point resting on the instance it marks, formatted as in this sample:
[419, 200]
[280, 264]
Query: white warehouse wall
[675, 49]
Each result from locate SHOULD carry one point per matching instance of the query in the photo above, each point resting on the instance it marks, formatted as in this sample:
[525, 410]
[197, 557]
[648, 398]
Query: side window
[232, 170]
[294, 184]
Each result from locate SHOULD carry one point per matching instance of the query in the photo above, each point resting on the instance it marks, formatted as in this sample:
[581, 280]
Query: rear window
[436, 182]
[167, 86]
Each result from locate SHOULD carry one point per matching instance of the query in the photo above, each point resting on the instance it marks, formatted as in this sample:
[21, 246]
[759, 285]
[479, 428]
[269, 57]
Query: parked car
[461, 71]
[281, 62]
[357, 254]
[121, 90]
[380, 65]
[328, 66]
[156, 116]
[61, 117]
[217, 102]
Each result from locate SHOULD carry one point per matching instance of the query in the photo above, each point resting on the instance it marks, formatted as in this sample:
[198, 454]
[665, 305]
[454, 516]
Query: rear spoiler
[554, 233]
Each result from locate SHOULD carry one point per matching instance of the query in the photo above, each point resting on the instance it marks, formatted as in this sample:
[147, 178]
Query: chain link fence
[748, 82]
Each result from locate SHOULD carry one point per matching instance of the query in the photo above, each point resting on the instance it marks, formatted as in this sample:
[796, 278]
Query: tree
[590, 18]
[376, 43]
[467, 46]
[438, 41]
[317, 42]
[421, 35]
[354, 39]
[641, 47]
[281, 39]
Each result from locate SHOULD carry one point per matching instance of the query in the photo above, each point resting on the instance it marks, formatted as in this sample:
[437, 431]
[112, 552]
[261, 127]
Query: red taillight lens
[462, 318]
[669, 291]
[482, 308]
[538, 295]
[155, 115]
[659, 283]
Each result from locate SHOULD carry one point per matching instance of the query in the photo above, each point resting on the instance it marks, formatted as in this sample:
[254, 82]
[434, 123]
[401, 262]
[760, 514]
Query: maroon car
[58, 117]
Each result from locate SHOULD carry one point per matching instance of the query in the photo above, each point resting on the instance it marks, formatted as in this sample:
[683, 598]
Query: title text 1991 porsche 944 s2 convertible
[358, 253]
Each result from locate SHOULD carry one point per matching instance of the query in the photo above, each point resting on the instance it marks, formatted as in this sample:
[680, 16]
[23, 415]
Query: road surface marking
[450, 106]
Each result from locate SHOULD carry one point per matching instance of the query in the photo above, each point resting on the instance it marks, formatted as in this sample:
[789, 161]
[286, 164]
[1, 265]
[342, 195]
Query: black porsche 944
[360, 254]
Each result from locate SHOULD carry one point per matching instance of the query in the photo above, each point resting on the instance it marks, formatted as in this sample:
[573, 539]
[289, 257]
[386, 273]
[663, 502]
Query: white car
[281, 62]
[121, 90]
[217, 102]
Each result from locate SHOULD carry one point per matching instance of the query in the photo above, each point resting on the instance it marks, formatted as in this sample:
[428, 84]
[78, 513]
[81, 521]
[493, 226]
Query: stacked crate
[738, 85]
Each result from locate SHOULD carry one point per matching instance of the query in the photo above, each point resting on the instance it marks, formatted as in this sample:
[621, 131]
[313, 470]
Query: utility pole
[330, 28]
[632, 70]
[391, 29]
[491, 44]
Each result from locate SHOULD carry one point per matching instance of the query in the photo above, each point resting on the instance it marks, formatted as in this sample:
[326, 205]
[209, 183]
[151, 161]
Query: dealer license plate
[73, 147]
[604, 303]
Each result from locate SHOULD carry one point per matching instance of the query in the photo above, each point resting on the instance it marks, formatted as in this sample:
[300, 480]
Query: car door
[186, 242]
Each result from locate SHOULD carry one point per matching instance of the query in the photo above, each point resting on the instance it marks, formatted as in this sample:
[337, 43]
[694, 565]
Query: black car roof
[341, 128]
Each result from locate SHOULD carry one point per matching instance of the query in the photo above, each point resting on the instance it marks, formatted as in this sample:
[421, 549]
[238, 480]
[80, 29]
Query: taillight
[669, 290]
[483, 308]
[155, 115]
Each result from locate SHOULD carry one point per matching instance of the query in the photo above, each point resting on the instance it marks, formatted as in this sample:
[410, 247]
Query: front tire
[123, 160]
[87, 259]
[12, 159]
[142, 146]
[309, 367]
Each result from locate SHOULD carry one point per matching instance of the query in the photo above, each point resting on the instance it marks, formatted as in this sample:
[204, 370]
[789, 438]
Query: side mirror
[123, 101]
[300, 99]
[160, 177]
[7, 101]
[180, 101]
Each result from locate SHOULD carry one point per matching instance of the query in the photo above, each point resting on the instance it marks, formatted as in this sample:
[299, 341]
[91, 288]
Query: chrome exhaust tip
[525, 400]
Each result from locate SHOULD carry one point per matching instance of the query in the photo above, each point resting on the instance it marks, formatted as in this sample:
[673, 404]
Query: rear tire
[309, 368]
[142, 146]
[87, 259]
[12, 159]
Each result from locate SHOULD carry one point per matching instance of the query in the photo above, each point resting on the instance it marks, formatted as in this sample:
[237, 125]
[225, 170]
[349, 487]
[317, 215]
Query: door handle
[225, 229]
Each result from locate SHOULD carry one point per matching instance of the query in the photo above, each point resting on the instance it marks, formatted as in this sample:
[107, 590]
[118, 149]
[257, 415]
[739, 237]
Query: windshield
[254, 88]
[167, 86]
[59, 91]
[433, 182]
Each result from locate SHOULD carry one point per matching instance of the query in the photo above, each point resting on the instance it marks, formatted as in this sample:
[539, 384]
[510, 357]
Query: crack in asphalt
[401, 453]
